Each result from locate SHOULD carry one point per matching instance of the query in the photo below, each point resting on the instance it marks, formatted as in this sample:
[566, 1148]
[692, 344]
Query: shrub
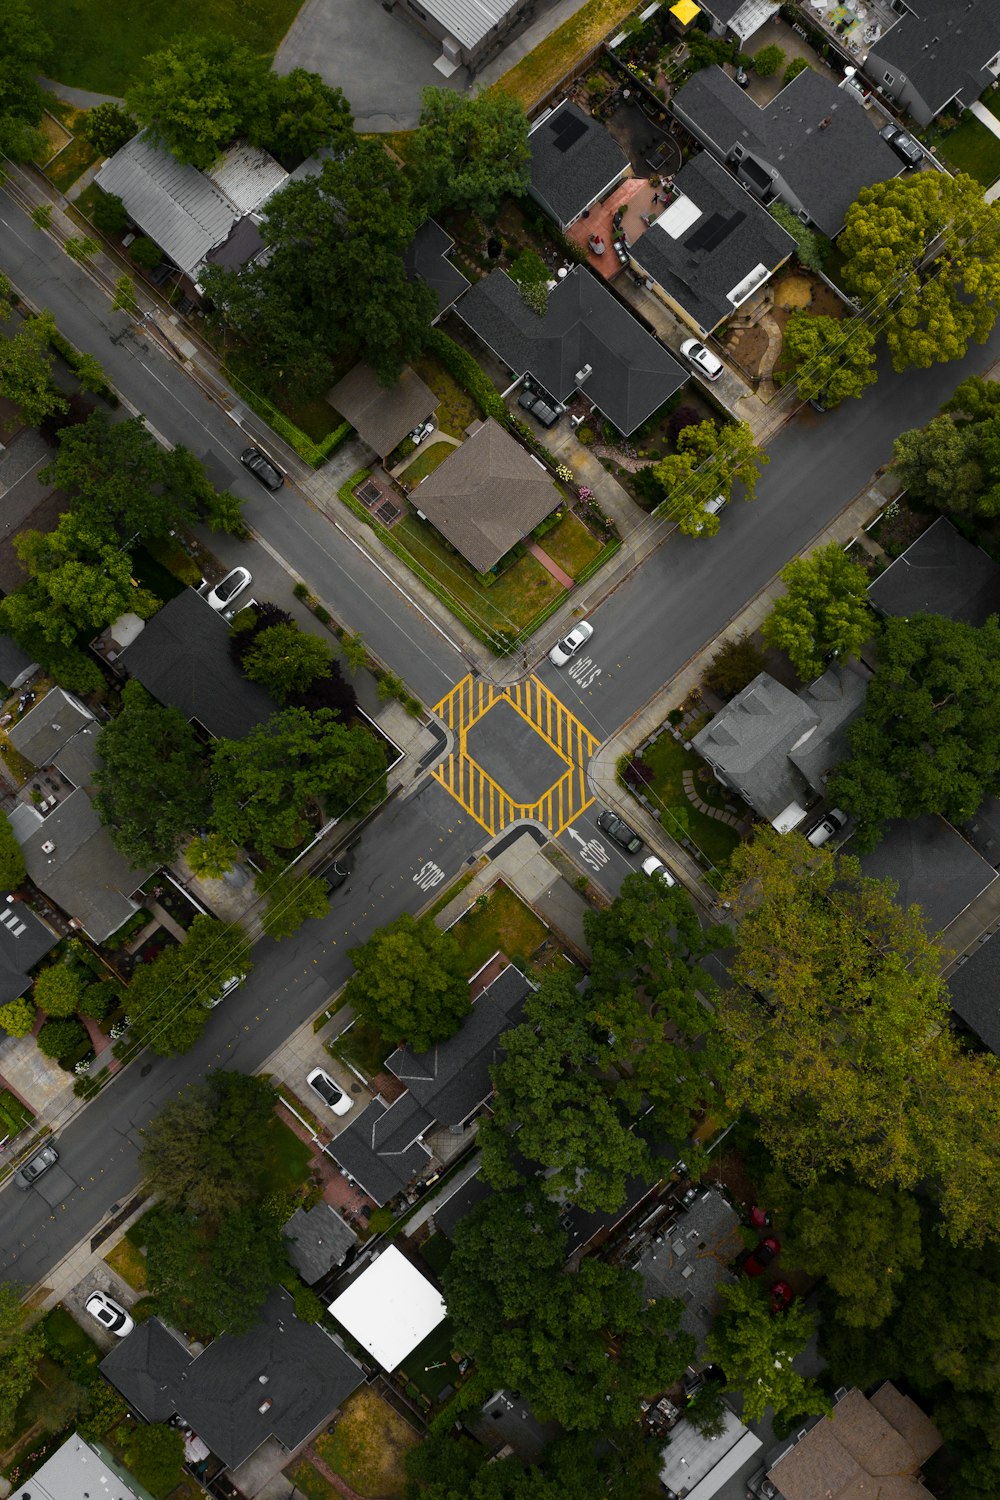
[59, 1039]
[308, 1307]
[809, 245]
[585, 435]
[734, 665]
[301, 591]
[107, 127]
[529, 267]
[145, 252]
[108, 214]
[768, 60]
[17, 1017]
[795, 67]
[155, 1454]
[462, 367]
[58, 991]
[105, 1409]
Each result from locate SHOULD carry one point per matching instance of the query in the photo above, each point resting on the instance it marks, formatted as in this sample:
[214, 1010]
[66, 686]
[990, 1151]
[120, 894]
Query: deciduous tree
[24, 49]
[757, 1353]
[292, 901]
[26, 373]
[205, 1150]
[59, 990]
[21, 1348]
[197, 95]
[830, 358]
[17, 1017]
[108, 127]
[823, 612]
[168, 998]
[469, 151]
[286, 660]
[734, 666]
[152, 780]
[410, 982]
[211, 856]
[708, 462]
[940, 465]
[155, 1455]
[300, 114]
[213, 1279]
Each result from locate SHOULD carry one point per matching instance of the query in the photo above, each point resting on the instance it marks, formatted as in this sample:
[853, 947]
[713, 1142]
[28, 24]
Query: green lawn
[101, 44]
[363, 1046]
[436, 1351]
[312, 1484]
[288, 1158]
[972, 148]
[129, 1262]
[456, 409]
[559, 53]
[991, 98]
[678, 816]
[368, 1446]
[571, 545]
[427, 461]
[498, 922]
[65, 1340]
[13, 1114]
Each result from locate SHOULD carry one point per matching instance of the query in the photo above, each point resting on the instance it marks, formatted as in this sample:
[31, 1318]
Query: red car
[782, 1296]
[758, 1260]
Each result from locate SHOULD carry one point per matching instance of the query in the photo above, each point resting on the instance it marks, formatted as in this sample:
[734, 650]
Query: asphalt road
[413, 847]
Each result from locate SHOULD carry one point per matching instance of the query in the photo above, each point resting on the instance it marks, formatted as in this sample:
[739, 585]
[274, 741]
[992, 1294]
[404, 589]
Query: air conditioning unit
[582, 375]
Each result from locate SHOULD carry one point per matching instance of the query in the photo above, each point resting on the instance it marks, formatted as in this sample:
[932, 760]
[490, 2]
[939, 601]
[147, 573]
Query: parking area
[100, 1278]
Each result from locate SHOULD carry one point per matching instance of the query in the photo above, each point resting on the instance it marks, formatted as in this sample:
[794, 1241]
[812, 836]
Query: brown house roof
[865, 1448]
[487, 495]
[382, 415]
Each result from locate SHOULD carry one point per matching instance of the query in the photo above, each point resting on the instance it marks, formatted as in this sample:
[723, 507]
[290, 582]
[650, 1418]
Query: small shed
[382, 415]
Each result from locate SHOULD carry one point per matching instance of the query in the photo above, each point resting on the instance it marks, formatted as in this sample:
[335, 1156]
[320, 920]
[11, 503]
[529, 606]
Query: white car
[235, 581]
[232, 983]
[570, 645]
[703, 359]
[330, 1092]
[654, 866]
[831, 823]
[109, 1314]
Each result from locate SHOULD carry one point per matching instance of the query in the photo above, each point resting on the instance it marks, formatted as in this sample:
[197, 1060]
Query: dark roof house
[932, 866]
[974, 988]
[284, 1379]
[813, 146]
[938, 53]
[712, 247]
[427, 260]
[939, 574]
[382, 415]
[776, 748]
[317, 1240]
[866, 1446]
[691, 1260]
[487, 495]
[383, 1149]
[16, 666]
[45, 729]
[182, 657]
[574, 162]
[24, 941]
[585, 341]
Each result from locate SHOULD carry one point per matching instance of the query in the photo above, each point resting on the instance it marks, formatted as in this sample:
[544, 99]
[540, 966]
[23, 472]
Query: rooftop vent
[48, 847]
[584, 374]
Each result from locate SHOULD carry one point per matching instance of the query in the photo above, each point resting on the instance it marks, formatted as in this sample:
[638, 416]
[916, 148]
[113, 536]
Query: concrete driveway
[379, 60]
[100, 1278]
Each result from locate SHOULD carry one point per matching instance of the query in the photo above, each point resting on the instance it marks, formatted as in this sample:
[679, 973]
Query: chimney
[265, 1406]
[584, 374]
[48, 847]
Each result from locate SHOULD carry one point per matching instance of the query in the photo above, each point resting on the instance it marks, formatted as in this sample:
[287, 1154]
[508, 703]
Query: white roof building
[698, 1467]
[390, 1308]
[76, 1471]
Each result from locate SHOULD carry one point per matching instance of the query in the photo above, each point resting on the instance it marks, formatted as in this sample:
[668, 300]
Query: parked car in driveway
[110, 1314]
[704, 361]
[539, 409]
[570, 644]
[758, 1260]
[830, 823]
[620, 832]
[235, 581]
[42, 1160]
[330, 1092]
[654, 866]
[904, 145]
[262, 468]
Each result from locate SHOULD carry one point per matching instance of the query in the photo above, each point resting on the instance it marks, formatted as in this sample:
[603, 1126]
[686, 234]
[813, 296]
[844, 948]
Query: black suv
[623, 835]
[262, 468]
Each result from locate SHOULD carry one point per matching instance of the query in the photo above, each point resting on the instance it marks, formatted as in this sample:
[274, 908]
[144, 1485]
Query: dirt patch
[793, 291]
[368, 1446]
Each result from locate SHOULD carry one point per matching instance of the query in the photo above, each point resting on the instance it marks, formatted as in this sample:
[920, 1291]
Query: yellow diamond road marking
[562, 731]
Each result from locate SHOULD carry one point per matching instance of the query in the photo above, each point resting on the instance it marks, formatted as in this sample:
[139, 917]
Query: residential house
[426, 260]
[574, 162]
[470, 31]
[390, 1308]
[24, 941]
[280, 1383]
[66, 849]
[487, 495]
[932, 866]
[79, 1470]
[585, 342]
[182, 657]
[384, 1150]
[813, 147]
[317, 1241]
[939, 574]
[866, 1446]
[939, 52]
[196, 218]
[16, 666]
[382, 415]
[974, 991]
[777, 748]
[738, 19]
[697, 1467]
[711, 248]
[688, 1260]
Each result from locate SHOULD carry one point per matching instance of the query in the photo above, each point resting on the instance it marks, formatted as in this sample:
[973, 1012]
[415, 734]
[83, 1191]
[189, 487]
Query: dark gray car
[904, 145]
[33, 1168]
[262, 468]
[624, 836]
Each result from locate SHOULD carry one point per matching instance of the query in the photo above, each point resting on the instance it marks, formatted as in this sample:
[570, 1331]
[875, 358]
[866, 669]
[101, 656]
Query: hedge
[462, 367]
[314, 454]
[65, 349]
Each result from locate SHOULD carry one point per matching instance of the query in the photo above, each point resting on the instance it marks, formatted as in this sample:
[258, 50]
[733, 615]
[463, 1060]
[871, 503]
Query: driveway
[100, 1278]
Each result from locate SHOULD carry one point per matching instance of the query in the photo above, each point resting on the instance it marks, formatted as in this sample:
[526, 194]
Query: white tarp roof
[698, 1467]
[390, 1308]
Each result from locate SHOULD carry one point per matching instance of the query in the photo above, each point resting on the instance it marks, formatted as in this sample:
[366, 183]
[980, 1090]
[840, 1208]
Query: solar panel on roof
[567, 129]
[714, 230]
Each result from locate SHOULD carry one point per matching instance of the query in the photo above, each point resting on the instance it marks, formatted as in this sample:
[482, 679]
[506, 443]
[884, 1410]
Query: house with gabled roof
[939, 574]
[382, 415]
[866, 1446]
[939, 53]
[574, 162]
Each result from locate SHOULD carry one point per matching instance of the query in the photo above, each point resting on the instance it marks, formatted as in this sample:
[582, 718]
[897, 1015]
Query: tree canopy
[26, 372]
[953, 464]
[152, 781]
[58, 990]
[830, 358]
[21, 1348]
[824, 611]
[287, 660]
[291, 901]
[212, 1281]
[932, 242]
[469, 151]
[926, 740]
[24, 50]
[709, 460]
[204, 1151]
[197, 95]
[410, 982]
[757, 1353]
[167, 999]
[12, 869]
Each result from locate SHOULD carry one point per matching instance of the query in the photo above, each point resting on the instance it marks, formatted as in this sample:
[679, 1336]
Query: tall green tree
[830, 358]
[410, 982]
[21, 1348]
[24, 50]
[168, 998]
[291, 901]
[708, 462]
[152, 780]
[757, 1353]
[108, 127]
[212, 1280]
[286, 660]
[197, 94]
[273, 785]
[940, 465]
[926, 741]
[59, 989]
[204, 1152]
[301, 113]
[26, 373]
[469, 151]
[154, 1453]
[928, 247]
[823, 612]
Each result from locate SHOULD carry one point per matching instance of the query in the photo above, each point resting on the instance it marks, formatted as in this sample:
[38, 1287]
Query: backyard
[559, 53]
[69, 153]
[971, 148]
[368, 1446]
[666, 762]
[83, 54]
[456, 409]
[55, 1396]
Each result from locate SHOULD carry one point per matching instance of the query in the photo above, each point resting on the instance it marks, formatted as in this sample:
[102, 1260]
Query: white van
[830, 823]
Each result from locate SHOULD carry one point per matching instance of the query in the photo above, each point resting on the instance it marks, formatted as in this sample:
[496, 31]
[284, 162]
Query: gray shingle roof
[837, 699]
[574, 160]
[317, 1240]
[15, 665]
[175, 205]
[50, 723]
[426, 260]
[933, 868]
[692, 1262]
[631, 375]
[381, 1149]
[182, 658]
[732, 237]
[940, 574]
[469, 21]
[219, 1391]
[975, 992]
[749, 741]
[487, 495]
[824, 167]
[24, 940]
[983, 830]
[382, 415]
[942, 46]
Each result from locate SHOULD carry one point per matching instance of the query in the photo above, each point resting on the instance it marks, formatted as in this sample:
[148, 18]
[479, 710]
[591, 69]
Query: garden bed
[14, 1115]
[368, 1446]
[667, 761]
[130, 1263]
[898, 526]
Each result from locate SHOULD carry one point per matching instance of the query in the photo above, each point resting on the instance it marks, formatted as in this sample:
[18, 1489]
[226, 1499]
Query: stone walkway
[691, 792]
[551, 566]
